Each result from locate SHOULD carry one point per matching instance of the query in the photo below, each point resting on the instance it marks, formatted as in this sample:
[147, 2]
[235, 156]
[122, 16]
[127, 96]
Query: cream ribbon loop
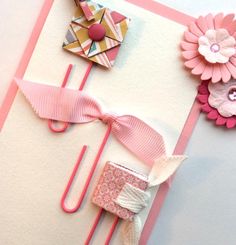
[135, 199]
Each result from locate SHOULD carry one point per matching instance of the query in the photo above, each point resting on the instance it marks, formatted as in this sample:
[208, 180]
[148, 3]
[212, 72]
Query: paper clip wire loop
[65, 125]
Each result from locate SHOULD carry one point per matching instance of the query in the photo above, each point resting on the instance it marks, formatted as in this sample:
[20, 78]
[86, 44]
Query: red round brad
[97, 32]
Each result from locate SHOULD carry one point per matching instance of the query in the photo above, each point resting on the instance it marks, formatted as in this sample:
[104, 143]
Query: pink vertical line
[86, 76]
[67, 76]
[11, 93]
[94, 227]
[112, 230]
[69, 184]
[95, 224]
[87, 183]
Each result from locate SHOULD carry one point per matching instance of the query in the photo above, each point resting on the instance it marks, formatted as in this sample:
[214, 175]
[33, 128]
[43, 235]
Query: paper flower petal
[218, 101]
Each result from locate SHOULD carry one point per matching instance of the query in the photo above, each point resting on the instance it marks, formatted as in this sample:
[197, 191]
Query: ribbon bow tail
[61, 104]
[131, 231]
[133, 199]
[137, 136]
[163, 168]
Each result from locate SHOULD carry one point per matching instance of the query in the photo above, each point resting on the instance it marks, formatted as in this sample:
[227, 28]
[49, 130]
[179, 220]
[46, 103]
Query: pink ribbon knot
[74, 106]
[108, 118]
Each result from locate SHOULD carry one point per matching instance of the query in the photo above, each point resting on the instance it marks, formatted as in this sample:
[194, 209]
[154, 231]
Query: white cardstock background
[147, 81]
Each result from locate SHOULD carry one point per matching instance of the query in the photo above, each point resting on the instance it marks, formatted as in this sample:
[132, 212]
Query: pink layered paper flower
[209, 47]
[219, 102]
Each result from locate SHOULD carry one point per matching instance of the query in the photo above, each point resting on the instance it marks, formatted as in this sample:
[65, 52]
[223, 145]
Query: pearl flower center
[215, 47]
[232, 94]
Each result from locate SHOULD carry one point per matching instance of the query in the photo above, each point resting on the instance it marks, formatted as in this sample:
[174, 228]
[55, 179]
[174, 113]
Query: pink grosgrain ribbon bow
[73, 106]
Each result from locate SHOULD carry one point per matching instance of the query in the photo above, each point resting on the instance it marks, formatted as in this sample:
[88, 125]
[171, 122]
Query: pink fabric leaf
[74, 106]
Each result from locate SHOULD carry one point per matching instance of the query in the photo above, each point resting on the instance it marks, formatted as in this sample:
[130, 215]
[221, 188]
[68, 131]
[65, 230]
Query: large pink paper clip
[65, 125]
[52, 123]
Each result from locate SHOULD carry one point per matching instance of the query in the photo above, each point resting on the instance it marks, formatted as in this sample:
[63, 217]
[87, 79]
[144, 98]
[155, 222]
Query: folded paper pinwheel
[99, 39]
[125, 193]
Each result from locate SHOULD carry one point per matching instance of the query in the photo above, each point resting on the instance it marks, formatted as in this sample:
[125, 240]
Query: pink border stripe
[165, 187]
[164, 11]
[188, 128]
[11, 93]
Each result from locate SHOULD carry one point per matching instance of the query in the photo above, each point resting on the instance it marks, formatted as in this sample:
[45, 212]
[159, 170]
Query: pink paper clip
[51, 123]
[96, 223]
[64, 127]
